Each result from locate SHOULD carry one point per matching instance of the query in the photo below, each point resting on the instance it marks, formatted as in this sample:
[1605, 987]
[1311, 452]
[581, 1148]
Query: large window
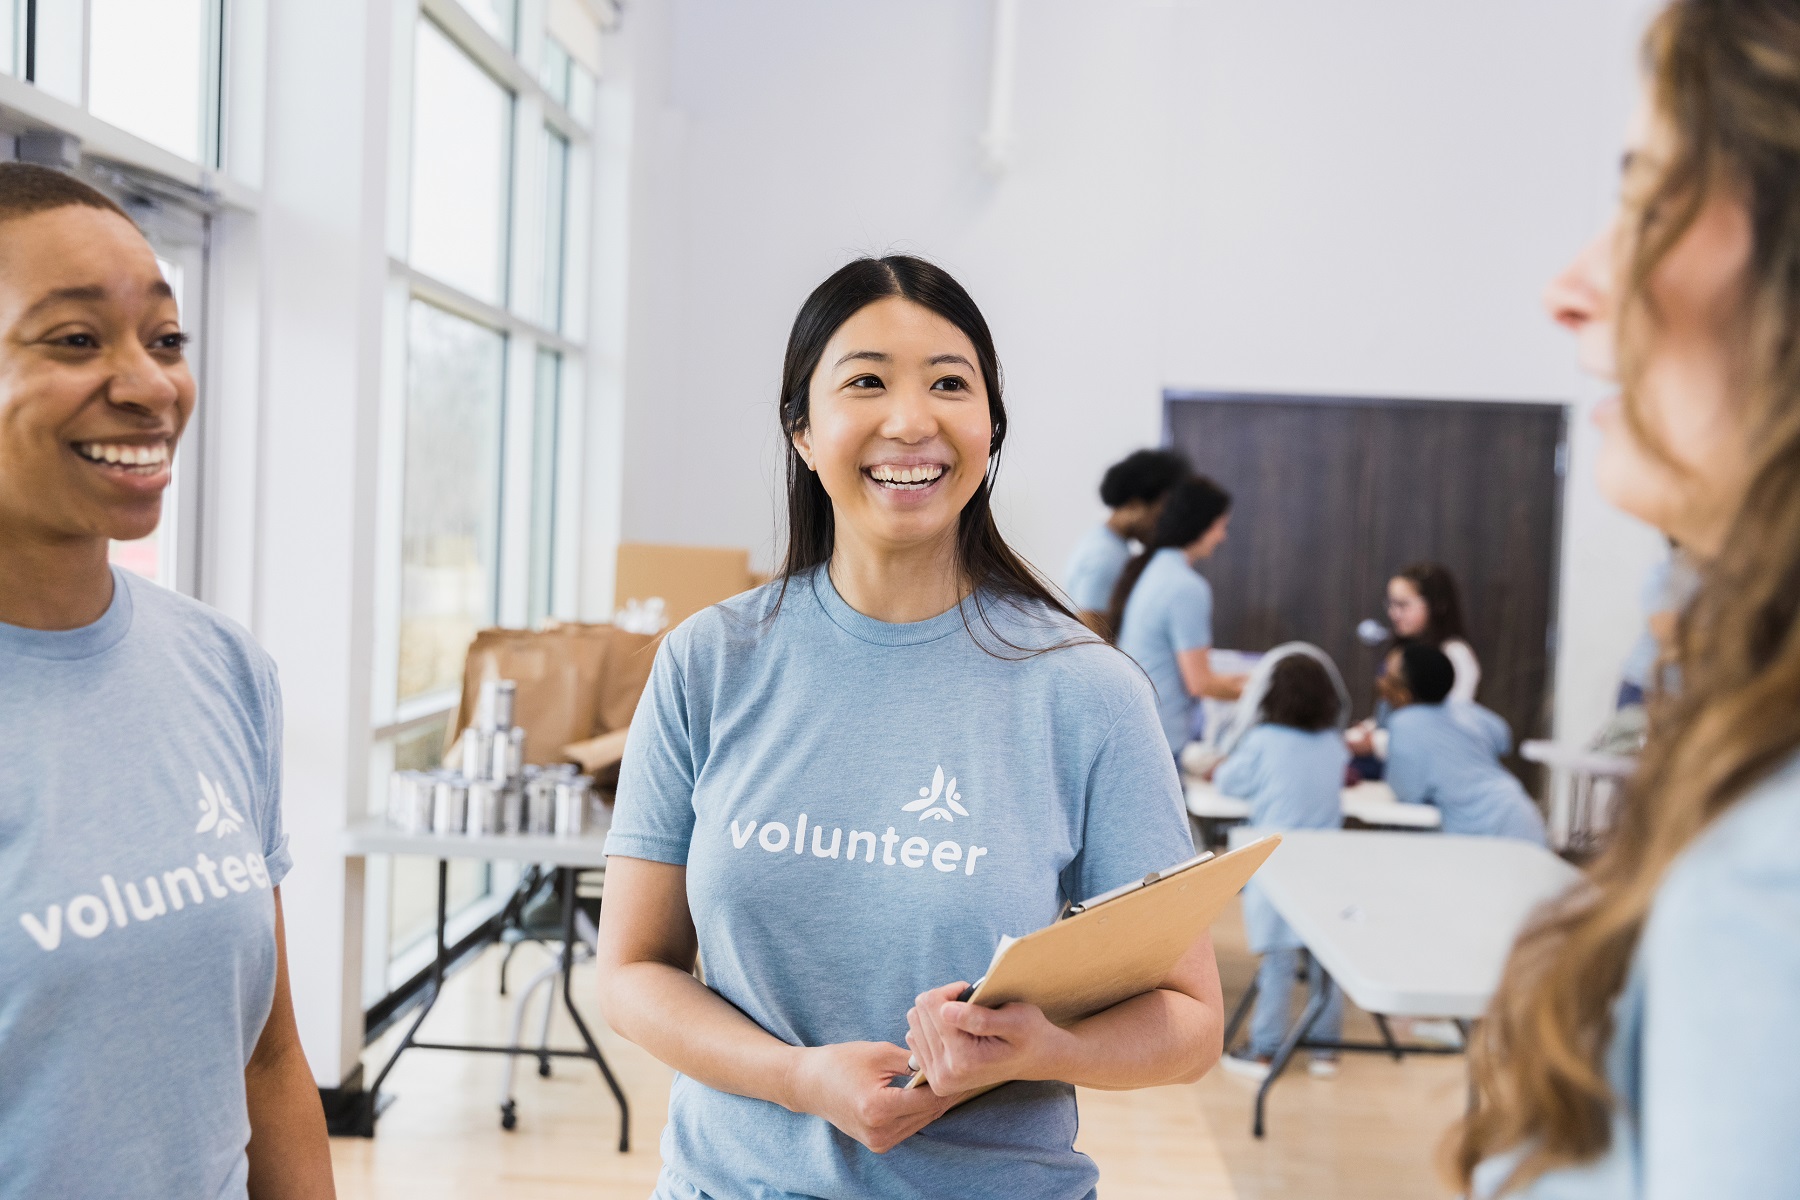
[461, 180]
[147, 72]
[482, 344]
[450, 516]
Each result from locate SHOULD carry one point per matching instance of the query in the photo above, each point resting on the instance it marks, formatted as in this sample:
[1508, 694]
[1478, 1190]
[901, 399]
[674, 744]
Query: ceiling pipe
[996, 140]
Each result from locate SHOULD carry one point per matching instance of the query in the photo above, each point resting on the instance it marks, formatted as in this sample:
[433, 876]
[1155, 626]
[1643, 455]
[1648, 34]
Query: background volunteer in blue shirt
[842, 788]
[1162, 606]
[1289, 767]
[1644, 1038]
[1133, 488]
[147, 1040]
[1446, 752]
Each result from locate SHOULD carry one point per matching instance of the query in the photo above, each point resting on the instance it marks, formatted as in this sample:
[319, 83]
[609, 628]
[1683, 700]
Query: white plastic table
[568, 856]
[1407, 926]
[1576, 813]
[1372, 803]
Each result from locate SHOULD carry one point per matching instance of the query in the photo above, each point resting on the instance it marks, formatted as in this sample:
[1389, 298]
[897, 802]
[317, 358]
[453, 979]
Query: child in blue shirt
[1448, 754]
[1290, 768]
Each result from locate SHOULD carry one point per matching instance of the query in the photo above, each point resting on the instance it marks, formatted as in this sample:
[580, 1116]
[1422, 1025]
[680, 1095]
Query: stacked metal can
[486, 793]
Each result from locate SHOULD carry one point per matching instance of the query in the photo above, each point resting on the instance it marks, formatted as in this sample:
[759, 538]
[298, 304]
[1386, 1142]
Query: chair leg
[1239, 1013]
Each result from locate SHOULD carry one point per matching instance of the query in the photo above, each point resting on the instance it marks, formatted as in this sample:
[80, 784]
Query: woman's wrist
[1055, 1056]
[792, 1089]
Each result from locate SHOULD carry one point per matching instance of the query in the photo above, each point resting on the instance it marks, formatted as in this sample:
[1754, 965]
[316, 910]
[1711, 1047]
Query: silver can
[508, 754]
[540, 805]
[477, 753]
[484, 808]
[450, 805]
[512, 809]
[494, 707]
[572, 805]
[410, 797]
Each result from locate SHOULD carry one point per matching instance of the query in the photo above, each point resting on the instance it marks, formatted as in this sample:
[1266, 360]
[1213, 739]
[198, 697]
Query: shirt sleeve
[1190, 621]
[1084, 579]
[653, 815]
[1239, 774]
[1135, 820]
[1720, 1042]
[277, 858]
[1406, 762]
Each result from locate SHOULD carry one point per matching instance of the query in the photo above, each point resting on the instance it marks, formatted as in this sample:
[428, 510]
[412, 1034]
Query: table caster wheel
[509, 1115]
[544, 1067]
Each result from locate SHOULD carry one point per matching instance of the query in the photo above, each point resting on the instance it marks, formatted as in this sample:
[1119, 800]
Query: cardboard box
[687, 578]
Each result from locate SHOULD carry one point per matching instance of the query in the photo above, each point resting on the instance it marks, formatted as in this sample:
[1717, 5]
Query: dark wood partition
[1332, 495]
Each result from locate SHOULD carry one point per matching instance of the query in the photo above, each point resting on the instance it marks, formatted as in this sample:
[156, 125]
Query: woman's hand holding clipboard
[1108, 949]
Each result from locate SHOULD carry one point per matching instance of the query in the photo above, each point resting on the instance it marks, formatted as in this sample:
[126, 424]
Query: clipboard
[1119, 944]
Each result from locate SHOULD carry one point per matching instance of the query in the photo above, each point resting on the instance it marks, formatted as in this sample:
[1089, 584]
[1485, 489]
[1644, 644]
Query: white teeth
[123, 455]
[905, 475]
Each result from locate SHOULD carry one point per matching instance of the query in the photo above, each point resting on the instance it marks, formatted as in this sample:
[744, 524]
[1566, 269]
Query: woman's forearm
[1157, 1038]
[686, 1025]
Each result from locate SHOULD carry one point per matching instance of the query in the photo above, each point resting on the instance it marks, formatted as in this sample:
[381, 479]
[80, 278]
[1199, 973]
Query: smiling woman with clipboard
[851, 783]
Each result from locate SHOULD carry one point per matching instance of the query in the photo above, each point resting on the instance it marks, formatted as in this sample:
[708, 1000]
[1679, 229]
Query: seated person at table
[1133, 488]
[1290, 768]
[1448, 754]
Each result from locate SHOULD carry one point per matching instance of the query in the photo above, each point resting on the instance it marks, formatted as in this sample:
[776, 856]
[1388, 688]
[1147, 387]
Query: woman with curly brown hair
[1645, 1040]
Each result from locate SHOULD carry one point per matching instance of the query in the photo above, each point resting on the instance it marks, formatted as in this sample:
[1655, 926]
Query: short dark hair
[1429, 675]
[1145, 475]
[1188, 511]
[1301, 695]
[26, 188]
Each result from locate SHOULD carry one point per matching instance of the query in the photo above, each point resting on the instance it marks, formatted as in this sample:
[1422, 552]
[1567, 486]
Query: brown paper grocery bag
[574, 681]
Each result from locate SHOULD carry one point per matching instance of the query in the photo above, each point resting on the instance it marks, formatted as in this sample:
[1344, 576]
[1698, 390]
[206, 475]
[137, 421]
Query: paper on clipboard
[1111, 951]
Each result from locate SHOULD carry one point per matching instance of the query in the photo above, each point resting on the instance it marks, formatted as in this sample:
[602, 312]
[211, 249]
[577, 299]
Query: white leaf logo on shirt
[929, 797]
[216, 812]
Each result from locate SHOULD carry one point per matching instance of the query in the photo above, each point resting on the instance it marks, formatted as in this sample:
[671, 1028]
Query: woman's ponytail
[1189, 511]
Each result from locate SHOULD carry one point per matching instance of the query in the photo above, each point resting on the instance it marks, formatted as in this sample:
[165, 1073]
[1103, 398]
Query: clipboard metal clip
[1075, 910]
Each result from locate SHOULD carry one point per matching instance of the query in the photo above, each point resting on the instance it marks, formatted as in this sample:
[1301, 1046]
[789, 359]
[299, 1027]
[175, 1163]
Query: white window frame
[526, 331]
[209, 521]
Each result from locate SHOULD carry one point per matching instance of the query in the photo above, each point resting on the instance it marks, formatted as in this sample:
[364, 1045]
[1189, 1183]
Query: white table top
[1372, 803]
[1410, 926]
[375, 836]
[1576, 758]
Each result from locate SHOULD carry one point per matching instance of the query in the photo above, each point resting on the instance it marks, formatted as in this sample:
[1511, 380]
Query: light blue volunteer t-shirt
[1293, 779]
[1170, 611]
[1449, 755]
[1094, 568]
[140, 840]
[864, 809]
[1704, 1039]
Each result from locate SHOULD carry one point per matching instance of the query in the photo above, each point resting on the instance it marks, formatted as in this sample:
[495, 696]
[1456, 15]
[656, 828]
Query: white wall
[1291, 195]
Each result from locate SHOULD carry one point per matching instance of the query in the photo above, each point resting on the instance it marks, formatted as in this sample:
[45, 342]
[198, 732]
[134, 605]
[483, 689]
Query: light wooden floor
[1369, 1134]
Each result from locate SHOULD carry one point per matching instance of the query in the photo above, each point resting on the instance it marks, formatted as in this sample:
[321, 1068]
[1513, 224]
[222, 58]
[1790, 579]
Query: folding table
[568, 856]
[1407, 926]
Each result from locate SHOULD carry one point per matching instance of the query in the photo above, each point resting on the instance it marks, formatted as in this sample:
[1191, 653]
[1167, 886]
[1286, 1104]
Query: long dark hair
[991, 567]
[1725, 77]
[1443, 604]
[1188, 511]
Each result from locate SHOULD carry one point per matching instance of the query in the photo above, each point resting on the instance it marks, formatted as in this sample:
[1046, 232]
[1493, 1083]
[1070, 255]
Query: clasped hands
[962, 1048]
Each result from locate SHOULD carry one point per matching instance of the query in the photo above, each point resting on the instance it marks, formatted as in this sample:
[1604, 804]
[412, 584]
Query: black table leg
[568, 972]
[1387, 1035]
[438, 968]
[1315, 1005]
